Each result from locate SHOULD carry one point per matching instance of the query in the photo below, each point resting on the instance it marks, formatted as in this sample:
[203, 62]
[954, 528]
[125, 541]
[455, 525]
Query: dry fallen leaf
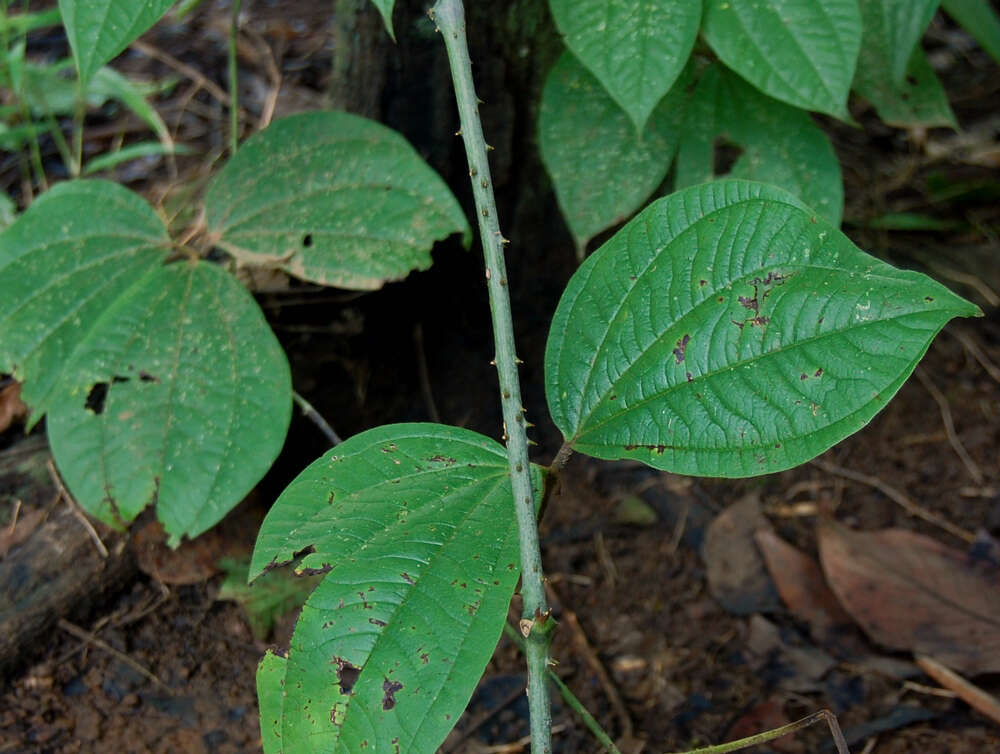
[12, 408]
[191, 563]
[735, 569]
[802, 587]
[908, 591]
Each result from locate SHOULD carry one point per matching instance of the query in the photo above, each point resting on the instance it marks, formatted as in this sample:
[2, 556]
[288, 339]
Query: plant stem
[570, 698]
[234, 107]
[536, 623]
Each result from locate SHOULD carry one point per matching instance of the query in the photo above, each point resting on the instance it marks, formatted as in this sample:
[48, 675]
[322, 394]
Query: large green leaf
[414, 524]
[100, 29]
[729, 331]
[980, 20]
[780, 144]
[77, 248]
[332, 198]
[801, 52]
[179, 395]
[916, 98]
[601, 168]
[635, 48]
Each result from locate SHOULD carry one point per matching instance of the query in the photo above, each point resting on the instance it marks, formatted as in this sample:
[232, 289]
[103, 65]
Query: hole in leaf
[725, 155]
[96, 397]
[307, 240]
[347, 675]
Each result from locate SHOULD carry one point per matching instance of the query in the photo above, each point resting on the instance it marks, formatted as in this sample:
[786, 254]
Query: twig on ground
[972, 346]
[74, 508]
[897, 497]
[183, 68]
[949, 426]
[484, 718]
[583, 646]
[975, 697]
[91, 639]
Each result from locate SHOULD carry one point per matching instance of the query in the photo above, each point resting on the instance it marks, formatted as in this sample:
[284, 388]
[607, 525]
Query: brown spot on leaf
[389, 698]
[681, 349]
[407, 578]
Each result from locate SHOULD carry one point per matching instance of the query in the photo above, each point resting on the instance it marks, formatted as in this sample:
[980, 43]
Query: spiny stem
[536, 623]
[570, 698]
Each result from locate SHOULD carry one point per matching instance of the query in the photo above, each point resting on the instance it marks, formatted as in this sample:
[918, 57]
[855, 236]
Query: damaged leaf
[413, 528]
[728, 330]
[332, 198]
[159, 400]
[910, 592]
[78, 247]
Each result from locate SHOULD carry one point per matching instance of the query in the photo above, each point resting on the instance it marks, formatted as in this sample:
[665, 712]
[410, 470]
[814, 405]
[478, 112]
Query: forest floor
[670, 638]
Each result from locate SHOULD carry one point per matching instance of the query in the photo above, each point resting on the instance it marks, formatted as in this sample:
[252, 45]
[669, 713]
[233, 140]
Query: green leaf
[133, 152]
[780, 144]
[179, 395]
[271, 697]
[100, 29]
[915, 98]
[414, 525]
[271, 596]
[332, 198]
[107, 83]
[801, 52]
[919, 101]
[895, 28]
[601, 169]
[385, 8]
[77, 248]
[635, 48]
[980, 20]
[16, 24]
[728, 331]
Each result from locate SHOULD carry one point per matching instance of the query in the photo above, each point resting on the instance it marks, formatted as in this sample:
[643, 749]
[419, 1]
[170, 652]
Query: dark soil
[173, 670]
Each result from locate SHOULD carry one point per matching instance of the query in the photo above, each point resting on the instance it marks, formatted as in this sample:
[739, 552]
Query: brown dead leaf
[191, 563]
[737, 577]
[910, 592]
[801, 585]
[12, 408]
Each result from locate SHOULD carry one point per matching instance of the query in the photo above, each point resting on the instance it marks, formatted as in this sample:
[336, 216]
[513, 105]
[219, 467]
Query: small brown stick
[583, 646]
[484, 718]
[969, 693]
[949, 426]
[74, 508]
[897, 497]
[182, 68]
[972, 346]
[91, 639]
